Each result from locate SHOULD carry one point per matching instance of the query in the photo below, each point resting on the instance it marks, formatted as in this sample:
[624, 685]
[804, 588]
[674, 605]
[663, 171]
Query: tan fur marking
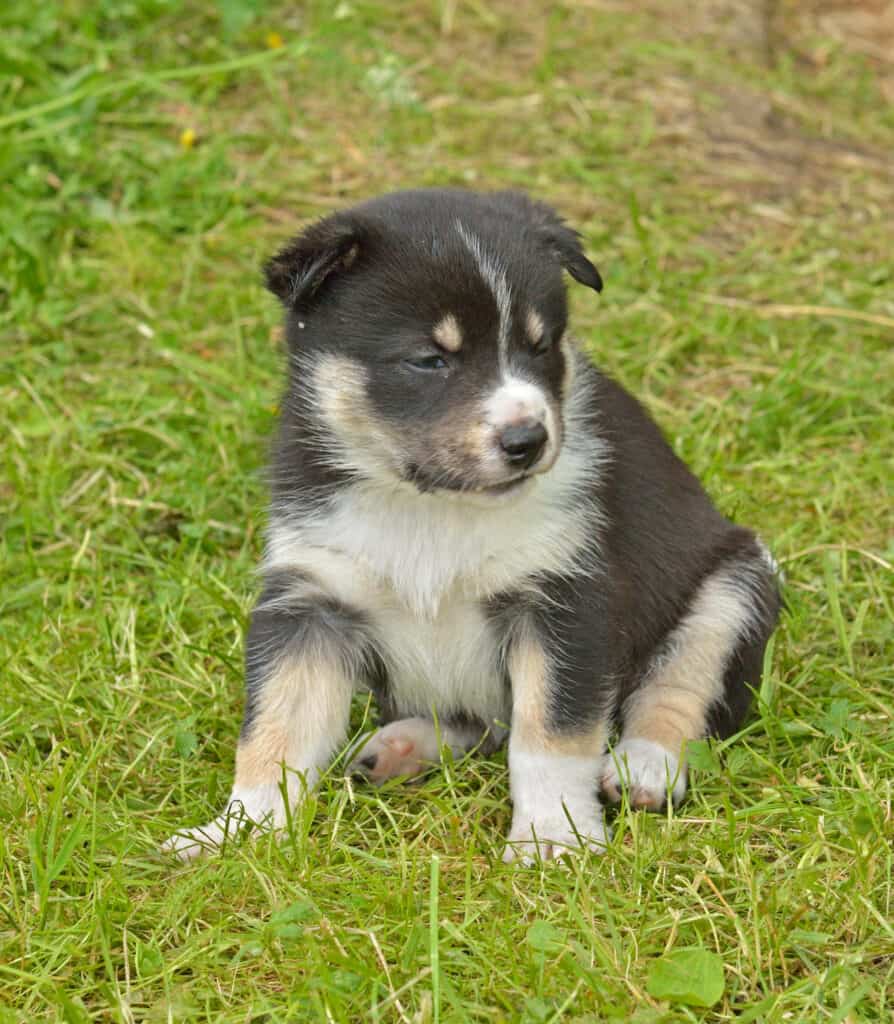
[566, 347]
[350, 257]
[340, 386]
[341, 390]
[671, 716]
[447, 333]
[459, 447]
[672, 704]
[259, 759]
[301, 704]
[529, 673]
[534, 326]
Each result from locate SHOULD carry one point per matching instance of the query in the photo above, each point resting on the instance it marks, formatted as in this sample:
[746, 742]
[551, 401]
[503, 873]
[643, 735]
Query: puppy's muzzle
[522, 443]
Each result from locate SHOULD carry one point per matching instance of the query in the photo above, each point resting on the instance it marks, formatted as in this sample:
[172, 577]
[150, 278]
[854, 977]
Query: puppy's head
[426, 335]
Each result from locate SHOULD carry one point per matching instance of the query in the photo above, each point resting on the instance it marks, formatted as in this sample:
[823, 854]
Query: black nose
[522, 443]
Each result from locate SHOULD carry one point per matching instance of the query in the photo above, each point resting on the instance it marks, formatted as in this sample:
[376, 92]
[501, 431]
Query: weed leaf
[693, 977]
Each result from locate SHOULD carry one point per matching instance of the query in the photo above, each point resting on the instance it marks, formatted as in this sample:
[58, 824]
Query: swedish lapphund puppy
[476, 524]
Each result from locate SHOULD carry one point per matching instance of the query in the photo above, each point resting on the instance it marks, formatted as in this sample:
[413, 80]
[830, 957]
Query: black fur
[411, 551]
[663, 539]
[367, 285]
[284, 624]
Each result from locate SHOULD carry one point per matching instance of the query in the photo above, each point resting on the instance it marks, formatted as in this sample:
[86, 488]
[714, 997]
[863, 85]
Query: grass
[733, 182]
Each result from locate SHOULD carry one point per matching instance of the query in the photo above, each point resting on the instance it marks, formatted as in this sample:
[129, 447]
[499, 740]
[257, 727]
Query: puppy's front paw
[193, 842]
[551, 837]
[407, 747]
[255, 809]
[647, 771]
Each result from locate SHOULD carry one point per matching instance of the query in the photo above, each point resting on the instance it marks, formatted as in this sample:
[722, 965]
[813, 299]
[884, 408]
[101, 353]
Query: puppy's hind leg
[302, 661]
[698, 685]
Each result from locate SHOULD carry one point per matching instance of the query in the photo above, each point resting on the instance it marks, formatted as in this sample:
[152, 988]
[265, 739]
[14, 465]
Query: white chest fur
[449, 663]
[421, 568]
[444, 655]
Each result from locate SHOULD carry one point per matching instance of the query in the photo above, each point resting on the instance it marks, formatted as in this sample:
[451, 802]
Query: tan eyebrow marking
[447, 333]
[535, 326]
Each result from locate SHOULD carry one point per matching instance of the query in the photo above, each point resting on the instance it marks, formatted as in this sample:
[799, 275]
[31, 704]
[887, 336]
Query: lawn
[729, 164]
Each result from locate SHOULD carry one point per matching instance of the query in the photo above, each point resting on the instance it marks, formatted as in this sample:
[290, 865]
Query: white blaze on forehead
[447, 333]
[494, 275]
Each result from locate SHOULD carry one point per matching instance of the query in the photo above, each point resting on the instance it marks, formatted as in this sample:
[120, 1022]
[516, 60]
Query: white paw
[646, 770]
[254, 809]
[556, 810]
[553, 837]
[193, 842]
[408, 747]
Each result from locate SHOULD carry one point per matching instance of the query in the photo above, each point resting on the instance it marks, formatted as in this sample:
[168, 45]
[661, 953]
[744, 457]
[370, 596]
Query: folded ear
[565, 243]
[561, 240]
[298, 271]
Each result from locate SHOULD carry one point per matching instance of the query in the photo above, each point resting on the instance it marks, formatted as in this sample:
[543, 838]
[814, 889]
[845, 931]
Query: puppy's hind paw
[647, 771]
[407, 747]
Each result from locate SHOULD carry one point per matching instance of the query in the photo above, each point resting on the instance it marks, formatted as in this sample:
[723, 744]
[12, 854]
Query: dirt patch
[809, 30]
[757, 142]
[813, 29]
[748, 140]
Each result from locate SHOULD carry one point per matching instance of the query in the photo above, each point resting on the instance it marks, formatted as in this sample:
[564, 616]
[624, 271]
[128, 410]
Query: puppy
[486, 531]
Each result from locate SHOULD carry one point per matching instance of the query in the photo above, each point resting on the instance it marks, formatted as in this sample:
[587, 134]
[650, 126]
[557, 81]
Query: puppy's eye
[427, 363]
[548, 341]
[544, 344]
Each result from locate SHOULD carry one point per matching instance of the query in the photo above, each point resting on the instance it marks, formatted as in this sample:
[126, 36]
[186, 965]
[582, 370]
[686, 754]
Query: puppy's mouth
[507, 487]
[429, 483]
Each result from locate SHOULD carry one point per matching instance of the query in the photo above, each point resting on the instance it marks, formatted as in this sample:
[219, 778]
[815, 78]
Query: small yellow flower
[187, 138]
[274, 41]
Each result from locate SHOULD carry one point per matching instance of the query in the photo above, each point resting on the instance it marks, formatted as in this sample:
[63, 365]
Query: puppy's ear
[298, 271]
[562, 241]
[565, 244]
